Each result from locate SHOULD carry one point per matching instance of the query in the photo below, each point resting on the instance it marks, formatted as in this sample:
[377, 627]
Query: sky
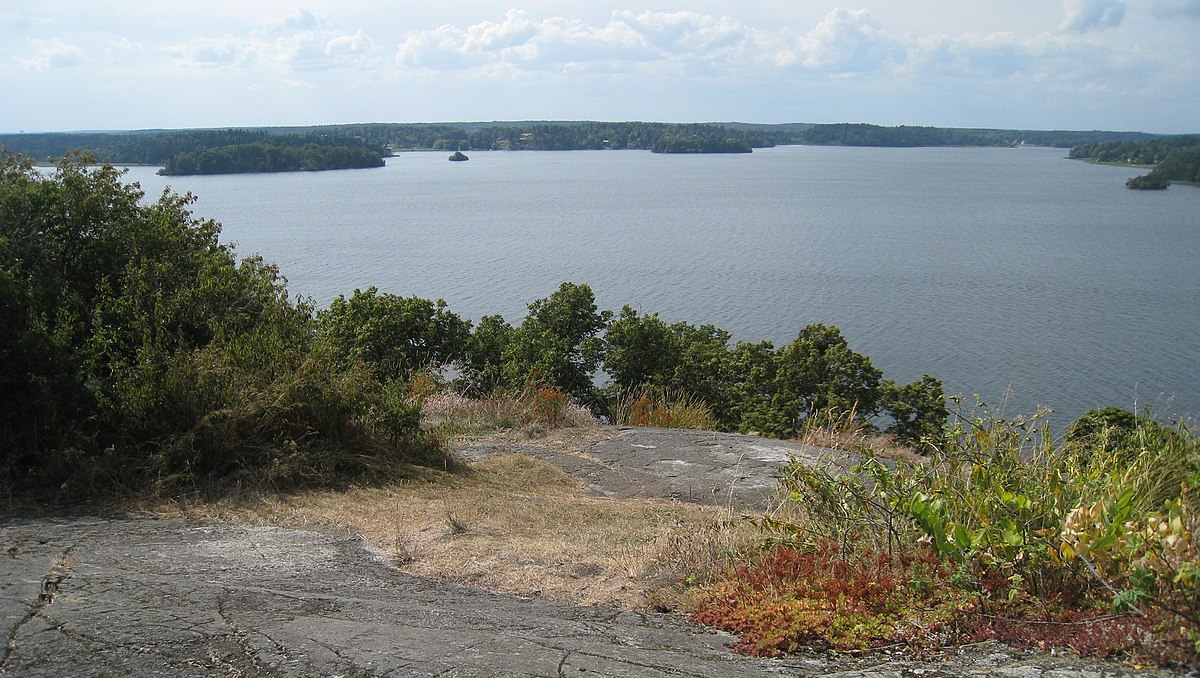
[1021, 64]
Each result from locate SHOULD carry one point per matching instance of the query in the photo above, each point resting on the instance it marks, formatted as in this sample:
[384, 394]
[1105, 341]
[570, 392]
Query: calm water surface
[998, 270]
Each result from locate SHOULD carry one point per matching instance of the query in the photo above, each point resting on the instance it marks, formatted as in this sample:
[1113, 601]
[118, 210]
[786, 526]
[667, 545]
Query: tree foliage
[1140, 152]
[755, 387]
[559, 342]
[641, 350]
[918, 410]
[696, 143]
[264, 156]
[1173, 158]
[818, 374]
[155, 147]
[483, 370]
[394, 336]
[137, 349]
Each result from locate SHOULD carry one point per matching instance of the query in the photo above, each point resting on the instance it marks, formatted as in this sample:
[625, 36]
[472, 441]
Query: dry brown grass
[453, 415]
[519, 525]
[844, 431]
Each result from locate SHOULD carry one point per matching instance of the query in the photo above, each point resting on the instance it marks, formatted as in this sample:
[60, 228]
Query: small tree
[558, 342]
[641, 350]
[918, 410]
[394, 335]
[819, 374]
[753, 366]
[483, 369]
[703, 369]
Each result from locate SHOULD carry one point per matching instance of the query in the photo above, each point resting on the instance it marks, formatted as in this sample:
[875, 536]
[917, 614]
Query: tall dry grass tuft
[532, 409]
[839, 430]
[661, 408]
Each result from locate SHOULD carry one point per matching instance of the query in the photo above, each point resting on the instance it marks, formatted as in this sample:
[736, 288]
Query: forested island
[1172, 159]
[700, 145]
[281, 149]
[272, 156]
[226, 151]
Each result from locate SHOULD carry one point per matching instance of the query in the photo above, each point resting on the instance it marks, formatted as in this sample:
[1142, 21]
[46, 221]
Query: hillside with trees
[206, 151]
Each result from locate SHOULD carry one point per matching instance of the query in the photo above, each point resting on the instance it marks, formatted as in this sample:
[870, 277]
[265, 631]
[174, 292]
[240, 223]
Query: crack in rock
[239, 636]
[59, 571]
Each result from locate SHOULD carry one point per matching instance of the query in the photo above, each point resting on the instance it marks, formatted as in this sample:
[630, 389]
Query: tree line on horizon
[157, 147]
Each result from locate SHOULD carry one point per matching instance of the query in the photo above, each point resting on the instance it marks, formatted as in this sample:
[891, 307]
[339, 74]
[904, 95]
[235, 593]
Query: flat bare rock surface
[100, 595]
[725, 469]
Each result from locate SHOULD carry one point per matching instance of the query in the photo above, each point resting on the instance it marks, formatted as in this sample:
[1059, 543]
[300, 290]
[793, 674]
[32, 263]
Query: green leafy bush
[394, 336]
[137, 351]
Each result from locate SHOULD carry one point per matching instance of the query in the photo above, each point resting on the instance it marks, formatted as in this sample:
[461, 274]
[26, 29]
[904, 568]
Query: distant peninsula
[1171, 159]
[322, 147]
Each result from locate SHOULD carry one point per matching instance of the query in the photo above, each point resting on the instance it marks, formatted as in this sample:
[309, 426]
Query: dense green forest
[157, 147]
[207, 151]
[267, 156]
[1175, 158]
[1145, 152]
[712, 144]
[600, 135]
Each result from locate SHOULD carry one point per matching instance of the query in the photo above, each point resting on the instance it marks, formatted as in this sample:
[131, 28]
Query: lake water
[1001, 271]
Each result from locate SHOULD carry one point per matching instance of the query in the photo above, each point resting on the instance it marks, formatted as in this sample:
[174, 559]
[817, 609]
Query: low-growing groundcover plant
[1091, 543]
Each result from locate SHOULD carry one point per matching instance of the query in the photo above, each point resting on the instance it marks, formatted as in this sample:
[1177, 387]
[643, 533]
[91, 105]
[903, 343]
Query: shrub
[395, 336]
[820, 598]
[137, 351]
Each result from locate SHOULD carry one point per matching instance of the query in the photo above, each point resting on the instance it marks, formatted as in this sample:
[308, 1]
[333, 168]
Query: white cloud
[673, 40]
[227, 50]
[516, 29]
[1081, 16]
[47, 54]
[303, 41]
[844, 42]
[347, 45]
[302, 20]
[987, 58]
[848, 41]
[759, 60]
